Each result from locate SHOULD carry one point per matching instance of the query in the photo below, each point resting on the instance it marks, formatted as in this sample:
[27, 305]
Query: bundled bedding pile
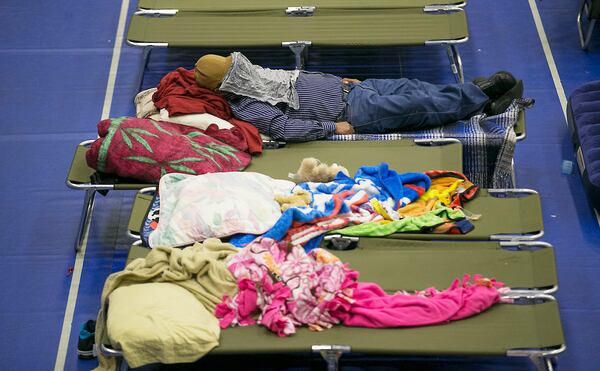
[179, 128]
[376, 201]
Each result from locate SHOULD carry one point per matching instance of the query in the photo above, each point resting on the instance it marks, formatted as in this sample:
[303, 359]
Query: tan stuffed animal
[301, 197]
[313, 170]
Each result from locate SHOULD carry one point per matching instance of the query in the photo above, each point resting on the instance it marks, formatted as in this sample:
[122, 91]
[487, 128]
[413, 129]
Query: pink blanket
[374, 308]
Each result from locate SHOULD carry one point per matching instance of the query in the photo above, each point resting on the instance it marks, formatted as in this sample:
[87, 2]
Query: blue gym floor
[55, 59]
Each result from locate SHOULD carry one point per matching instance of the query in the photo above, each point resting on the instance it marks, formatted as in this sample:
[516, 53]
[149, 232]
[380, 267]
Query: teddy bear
[300, 197]
[313, 170]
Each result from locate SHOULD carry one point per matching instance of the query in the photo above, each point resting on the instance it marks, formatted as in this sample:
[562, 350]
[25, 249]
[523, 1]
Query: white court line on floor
[65, 335]
[560, 91]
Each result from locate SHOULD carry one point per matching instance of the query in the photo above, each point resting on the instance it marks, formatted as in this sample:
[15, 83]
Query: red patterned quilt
[145, 149]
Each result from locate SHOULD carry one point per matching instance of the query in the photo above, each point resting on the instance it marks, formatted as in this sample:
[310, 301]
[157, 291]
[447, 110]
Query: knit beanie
[210, 70]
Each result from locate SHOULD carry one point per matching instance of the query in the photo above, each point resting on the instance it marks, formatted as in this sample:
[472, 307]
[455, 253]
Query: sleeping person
[301, 105]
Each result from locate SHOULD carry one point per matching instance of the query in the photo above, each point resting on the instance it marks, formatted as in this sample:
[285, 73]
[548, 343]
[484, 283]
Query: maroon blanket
[145, 149]
[179, 94]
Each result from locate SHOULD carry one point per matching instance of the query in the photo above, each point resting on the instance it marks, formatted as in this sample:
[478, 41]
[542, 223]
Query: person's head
[210, 70]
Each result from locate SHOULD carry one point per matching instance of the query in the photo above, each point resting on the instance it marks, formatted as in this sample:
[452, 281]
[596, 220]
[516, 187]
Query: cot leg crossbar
[300, 50]
[331, 354]
[86, 217]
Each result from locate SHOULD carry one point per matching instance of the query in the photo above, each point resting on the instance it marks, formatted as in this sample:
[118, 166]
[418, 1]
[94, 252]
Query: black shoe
[86, 344]
[499, 105]
[496, 85]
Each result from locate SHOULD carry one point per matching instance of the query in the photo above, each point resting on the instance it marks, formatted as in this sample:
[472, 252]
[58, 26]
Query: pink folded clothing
[282, 287]
[145, 149]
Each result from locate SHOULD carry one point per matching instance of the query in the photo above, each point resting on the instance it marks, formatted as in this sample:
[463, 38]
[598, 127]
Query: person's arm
[273, 122]
[348, 80]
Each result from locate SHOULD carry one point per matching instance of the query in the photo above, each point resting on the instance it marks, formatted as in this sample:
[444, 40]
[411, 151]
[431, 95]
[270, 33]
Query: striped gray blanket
[488, 144]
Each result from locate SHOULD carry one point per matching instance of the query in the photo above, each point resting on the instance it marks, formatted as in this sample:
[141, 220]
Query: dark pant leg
[388, 105]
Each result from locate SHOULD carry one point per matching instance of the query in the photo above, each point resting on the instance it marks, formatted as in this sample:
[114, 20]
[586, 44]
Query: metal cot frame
[341, 242]
[91, 188]
[544, 359]
[300, 47]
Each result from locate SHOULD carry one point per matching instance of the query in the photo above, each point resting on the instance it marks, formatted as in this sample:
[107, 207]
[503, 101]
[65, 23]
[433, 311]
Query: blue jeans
[378, 106]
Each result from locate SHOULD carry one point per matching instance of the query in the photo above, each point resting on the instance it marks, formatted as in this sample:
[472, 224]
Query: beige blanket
[200, 269]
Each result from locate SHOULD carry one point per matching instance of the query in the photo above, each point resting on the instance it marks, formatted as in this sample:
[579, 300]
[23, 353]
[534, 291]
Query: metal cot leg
[513, 173]
[542, 363]
[122, 364]
[300, 50]
[584, 9]
[455, 62]
[86, 217]
[331, 354]
[144, 65]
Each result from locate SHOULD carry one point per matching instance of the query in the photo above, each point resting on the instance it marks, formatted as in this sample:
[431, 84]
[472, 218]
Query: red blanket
[145, 149]
[179, 94]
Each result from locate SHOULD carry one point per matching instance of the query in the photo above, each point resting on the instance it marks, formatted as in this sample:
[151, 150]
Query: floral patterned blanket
[145, 149]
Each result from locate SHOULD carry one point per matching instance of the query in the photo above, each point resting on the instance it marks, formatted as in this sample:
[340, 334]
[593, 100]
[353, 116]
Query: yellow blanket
[140, 312]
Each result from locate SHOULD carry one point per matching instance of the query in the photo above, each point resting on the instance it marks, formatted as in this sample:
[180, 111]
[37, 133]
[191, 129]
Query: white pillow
[144, 105]
[160, 322]
[265, 137]
[198, 120]
[194, 208]
[145, 108]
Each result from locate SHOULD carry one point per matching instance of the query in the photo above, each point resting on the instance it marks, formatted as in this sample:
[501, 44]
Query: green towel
[422, 223]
